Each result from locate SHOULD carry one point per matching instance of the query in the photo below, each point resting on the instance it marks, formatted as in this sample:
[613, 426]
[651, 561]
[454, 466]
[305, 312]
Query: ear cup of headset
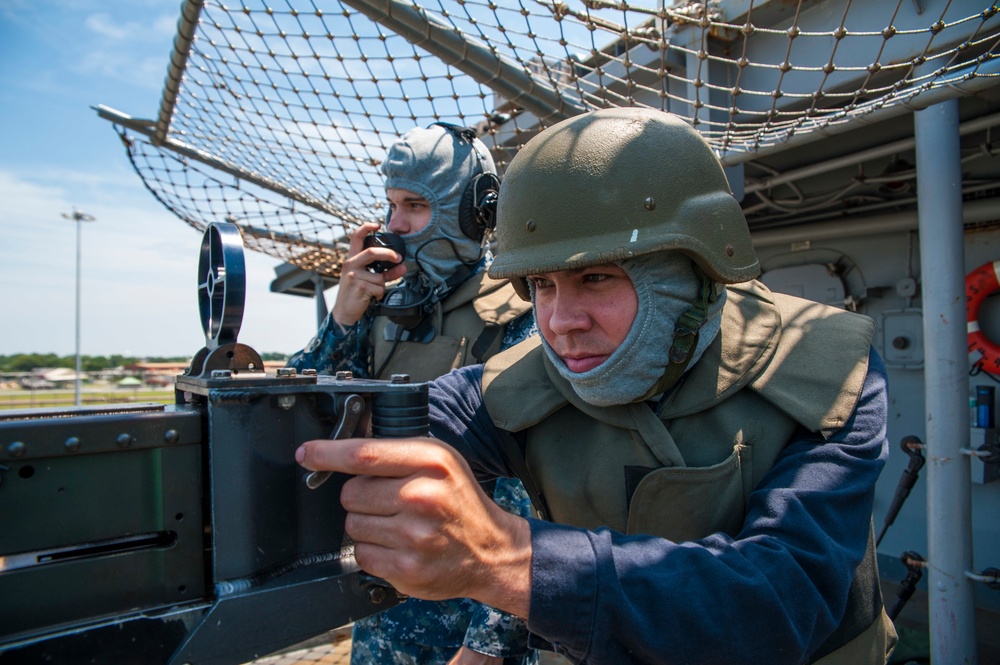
[477, 213]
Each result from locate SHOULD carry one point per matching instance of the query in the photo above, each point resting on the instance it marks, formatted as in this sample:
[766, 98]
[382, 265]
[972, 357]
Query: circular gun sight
[221, 284]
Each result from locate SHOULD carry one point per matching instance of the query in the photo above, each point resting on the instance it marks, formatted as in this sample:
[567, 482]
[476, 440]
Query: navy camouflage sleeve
[335, 348]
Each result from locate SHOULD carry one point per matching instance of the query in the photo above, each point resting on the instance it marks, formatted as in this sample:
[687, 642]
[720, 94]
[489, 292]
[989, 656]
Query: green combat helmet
[616, 183]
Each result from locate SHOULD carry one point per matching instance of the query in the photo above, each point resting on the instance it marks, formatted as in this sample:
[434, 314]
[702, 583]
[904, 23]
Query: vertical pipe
[321, 310]
[78, 219]
[79, 223]
[949, 505]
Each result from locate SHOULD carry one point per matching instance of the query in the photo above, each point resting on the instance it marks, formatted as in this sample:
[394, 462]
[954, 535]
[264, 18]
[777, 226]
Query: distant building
[62, 375]
[165, 373]
[47, 378]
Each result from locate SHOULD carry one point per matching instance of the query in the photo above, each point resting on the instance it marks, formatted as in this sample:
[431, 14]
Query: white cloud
[139, 274]
[104, 26]
[139, 262]
[135, 52]
[165, 25]
[147, 73]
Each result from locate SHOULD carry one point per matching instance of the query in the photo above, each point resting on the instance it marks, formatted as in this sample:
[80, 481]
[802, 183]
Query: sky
[139, 262]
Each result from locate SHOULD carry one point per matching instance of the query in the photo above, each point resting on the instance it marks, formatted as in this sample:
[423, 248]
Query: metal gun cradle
[187, 533]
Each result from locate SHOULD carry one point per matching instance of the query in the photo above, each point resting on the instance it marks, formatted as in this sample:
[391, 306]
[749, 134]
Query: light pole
[79, 218]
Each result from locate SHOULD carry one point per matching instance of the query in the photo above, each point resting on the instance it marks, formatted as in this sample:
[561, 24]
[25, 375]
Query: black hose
[912, 446]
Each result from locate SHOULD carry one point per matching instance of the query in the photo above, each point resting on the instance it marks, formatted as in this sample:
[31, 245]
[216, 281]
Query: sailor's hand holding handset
[372, 262]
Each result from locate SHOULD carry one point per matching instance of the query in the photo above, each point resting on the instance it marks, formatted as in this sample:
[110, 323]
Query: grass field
[89, 396]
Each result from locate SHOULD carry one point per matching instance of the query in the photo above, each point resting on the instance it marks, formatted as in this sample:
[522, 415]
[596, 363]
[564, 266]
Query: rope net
[279, 118]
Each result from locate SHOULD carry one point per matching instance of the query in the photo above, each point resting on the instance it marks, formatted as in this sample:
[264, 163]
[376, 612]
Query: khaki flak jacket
[779, 363]
[479, 305]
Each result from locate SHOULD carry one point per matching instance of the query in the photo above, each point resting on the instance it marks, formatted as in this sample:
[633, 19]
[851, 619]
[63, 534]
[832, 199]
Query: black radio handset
[384, 239]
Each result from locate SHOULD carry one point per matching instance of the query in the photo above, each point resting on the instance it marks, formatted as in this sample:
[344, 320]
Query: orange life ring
[979, 284]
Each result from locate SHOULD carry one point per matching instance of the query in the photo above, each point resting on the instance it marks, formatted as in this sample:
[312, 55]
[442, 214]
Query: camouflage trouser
[376, 652]
[401, 655]
[420, 632]
[397, 636]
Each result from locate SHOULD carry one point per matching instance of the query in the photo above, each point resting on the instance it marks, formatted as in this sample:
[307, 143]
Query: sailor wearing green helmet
[702, 452]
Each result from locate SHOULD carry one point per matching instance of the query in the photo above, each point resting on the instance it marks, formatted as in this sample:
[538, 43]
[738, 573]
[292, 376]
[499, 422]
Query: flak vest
[778, 364]
[469, 326]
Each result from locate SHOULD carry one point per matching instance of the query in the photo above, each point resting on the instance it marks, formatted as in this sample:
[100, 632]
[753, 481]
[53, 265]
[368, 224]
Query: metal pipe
[949, 483]
[479, 62]
[870, 209]
[321, 310]
[78, 218]
[79, 364]
[143, 127]
[985, 78]
[186, 26]
[973, 212]
[857, 157]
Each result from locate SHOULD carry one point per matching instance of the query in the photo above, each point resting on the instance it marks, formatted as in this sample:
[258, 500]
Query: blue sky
[59, 58]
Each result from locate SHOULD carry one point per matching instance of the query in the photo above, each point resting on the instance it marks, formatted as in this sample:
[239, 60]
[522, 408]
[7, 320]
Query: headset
[477, 212]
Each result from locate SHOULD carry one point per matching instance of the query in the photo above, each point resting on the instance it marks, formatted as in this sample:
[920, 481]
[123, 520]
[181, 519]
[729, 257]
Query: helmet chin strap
[686, 332]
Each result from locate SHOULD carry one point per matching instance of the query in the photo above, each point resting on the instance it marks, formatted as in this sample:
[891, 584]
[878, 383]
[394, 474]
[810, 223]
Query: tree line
[26, 362]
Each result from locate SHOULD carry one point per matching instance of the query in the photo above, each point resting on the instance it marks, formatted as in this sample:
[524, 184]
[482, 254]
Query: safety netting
[276, 115]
